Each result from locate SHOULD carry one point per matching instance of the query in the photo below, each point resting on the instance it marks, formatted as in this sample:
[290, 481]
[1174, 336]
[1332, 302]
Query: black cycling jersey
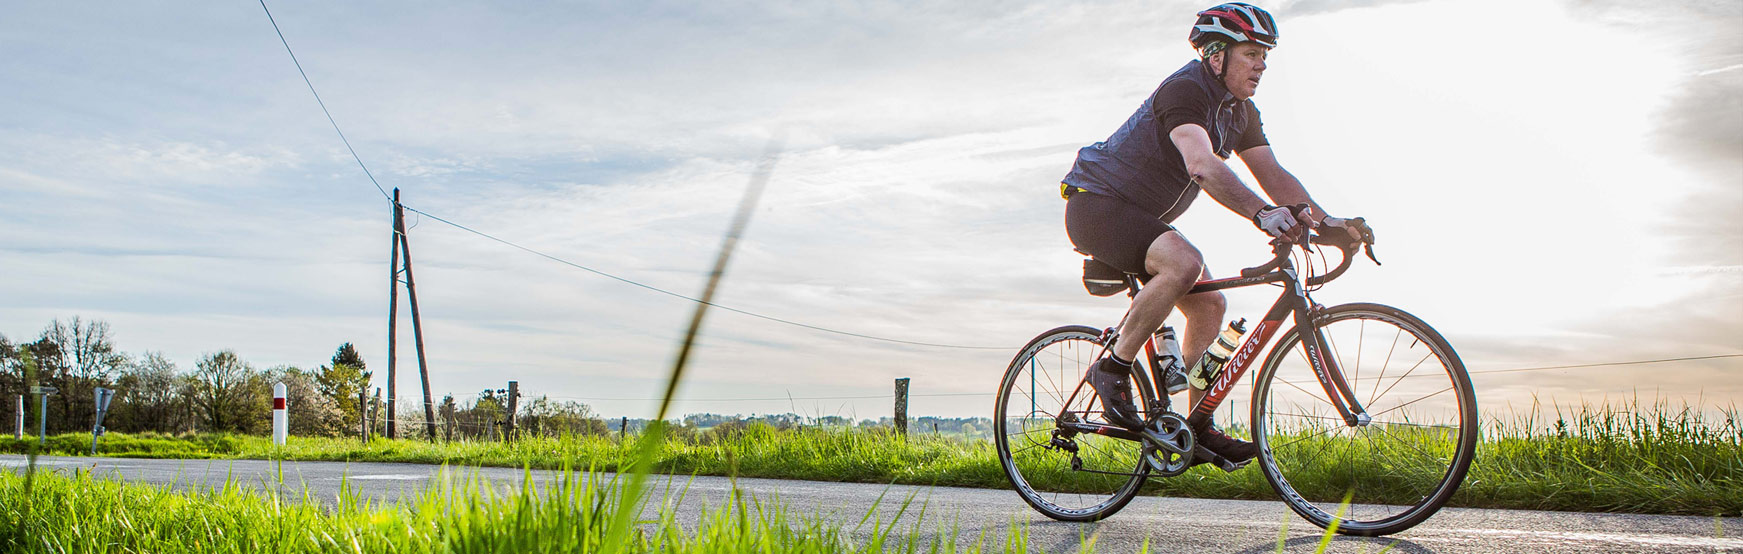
[1140, 164]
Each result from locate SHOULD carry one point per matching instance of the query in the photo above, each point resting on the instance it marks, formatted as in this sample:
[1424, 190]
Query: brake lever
[1368, 248]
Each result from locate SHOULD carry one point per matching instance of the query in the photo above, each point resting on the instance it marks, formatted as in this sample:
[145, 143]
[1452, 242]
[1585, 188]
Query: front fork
[1331, 377]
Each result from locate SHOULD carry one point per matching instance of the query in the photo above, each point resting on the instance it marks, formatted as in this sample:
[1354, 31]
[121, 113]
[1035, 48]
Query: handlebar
[1282, 246]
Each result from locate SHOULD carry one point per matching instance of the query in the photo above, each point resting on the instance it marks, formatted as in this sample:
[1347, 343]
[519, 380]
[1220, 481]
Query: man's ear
[1215, 61]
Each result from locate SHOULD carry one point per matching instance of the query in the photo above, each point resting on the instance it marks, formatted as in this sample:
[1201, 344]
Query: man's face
[1245, 63]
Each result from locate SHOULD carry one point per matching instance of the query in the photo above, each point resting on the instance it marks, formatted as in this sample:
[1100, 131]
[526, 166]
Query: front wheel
[1065, 475]
[1387, 475]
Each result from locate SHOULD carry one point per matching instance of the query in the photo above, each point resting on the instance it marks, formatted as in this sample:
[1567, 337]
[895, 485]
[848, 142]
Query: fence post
[384, 418]
[363, 414]
[902, 406]
[513, 408]
[18, 433]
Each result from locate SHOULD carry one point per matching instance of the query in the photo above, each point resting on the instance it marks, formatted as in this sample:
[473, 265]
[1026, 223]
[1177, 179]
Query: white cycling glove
[1275, 221]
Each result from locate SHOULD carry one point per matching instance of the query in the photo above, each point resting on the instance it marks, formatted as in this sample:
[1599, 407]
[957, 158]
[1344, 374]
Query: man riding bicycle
[1123, 193]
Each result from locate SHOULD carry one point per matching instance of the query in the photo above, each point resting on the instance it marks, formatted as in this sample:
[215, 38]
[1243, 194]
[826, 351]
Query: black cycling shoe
[1114, 386]
[1234, 450]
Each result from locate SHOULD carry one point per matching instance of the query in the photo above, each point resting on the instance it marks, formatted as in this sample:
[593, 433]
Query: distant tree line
[224, 393]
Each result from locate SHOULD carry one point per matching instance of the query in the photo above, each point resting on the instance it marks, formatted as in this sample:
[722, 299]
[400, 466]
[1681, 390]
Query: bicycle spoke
[1303, 391]
[1375, 392]
[1391, 409]
[1395, 382]
[1331, 342]
[1425, 455]
[1361, 337]
[1299, 439]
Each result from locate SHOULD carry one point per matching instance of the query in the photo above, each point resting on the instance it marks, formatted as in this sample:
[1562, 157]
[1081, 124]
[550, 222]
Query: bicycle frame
[1293, 302]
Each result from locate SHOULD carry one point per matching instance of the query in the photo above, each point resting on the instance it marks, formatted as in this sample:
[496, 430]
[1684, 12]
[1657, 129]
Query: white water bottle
[1211, 364]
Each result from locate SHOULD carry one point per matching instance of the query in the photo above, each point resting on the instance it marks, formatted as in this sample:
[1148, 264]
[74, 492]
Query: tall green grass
[55, 513]
[1624, 458]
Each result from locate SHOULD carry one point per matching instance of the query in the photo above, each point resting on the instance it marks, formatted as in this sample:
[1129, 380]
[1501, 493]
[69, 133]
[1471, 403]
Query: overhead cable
[691, 298]
[293, 57]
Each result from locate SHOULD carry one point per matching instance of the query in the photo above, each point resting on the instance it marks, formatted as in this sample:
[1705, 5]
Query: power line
[1637, 362]
[384, 194]
[690, 298]
[293, 57]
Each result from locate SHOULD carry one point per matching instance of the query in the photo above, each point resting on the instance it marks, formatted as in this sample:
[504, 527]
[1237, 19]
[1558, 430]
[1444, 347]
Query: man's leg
[1204, 319]
[1176, 265]
[1204, 316]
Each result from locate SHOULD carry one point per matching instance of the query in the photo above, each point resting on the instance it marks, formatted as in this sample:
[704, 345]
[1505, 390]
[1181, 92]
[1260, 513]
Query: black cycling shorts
[1112, 230]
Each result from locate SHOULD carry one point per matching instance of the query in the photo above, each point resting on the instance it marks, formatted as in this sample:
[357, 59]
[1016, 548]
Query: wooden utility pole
[902, 406]
[513, 408]
[393, 307]
[403, 248]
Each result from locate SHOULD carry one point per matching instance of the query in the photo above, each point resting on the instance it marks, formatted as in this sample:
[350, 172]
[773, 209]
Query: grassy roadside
[1642, 461]
[51, 512]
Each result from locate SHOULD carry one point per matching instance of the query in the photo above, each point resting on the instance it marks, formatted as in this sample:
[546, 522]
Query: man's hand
[1355, 228]
[1277, 222]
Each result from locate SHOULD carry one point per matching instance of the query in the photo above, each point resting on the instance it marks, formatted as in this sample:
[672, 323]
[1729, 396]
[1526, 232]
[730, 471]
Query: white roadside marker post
[280, 421]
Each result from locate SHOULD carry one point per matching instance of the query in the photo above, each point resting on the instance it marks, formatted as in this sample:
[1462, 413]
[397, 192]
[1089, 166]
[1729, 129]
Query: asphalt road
[1170, 524]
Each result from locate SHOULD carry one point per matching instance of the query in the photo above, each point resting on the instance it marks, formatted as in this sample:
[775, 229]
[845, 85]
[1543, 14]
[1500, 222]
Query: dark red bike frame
[1293, 302]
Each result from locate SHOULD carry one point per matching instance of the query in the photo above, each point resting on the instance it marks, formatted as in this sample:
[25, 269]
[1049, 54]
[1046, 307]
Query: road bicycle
[1386, 437]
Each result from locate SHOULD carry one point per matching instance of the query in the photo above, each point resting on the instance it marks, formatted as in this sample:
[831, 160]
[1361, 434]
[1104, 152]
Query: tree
[76, 359]
[543, 416]
[229, 395]
[348, 355]
[341, 382]
[151, 397]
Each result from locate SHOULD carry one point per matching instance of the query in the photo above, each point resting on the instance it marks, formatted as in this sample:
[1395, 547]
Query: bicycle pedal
[1202, 455]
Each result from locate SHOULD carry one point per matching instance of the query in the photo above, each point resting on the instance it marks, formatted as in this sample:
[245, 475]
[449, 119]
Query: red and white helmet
[1234, 23]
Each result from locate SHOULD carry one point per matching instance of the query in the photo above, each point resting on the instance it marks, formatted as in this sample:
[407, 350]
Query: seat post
[1131, 286]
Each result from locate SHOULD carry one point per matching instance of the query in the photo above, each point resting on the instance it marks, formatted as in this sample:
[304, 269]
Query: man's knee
[1174, 260]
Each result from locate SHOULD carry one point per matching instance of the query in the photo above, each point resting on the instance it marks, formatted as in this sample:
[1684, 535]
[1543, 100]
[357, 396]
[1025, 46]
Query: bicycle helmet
[1233, 23]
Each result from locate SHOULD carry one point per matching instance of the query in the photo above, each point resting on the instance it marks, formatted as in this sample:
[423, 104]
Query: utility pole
[513, 407]
[902, 406]
[18, 432]
[393, 306]
[411, 289]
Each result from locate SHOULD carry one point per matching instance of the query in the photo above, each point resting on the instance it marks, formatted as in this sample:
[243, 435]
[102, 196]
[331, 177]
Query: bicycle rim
[1033, 395]
[1394, 472]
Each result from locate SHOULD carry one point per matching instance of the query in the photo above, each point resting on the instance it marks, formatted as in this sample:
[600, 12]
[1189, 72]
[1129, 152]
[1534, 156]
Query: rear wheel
[1043, 385]
[1395, 471]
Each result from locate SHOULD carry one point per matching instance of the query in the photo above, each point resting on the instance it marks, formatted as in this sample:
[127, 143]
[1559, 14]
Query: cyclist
[1123, 192]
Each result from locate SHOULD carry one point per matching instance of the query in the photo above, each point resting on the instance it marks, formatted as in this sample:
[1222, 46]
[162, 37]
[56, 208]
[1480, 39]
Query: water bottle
[1211, 364]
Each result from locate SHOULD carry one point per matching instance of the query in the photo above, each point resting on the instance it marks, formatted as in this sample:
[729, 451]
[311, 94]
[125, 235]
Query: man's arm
[1283, 188]
[1211, 173]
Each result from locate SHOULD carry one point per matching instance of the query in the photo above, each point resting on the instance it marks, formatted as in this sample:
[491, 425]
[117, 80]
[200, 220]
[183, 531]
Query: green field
[1656, 460]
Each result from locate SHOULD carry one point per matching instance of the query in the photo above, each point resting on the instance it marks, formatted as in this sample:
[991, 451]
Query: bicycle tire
[1359, 493]
[1024, 420]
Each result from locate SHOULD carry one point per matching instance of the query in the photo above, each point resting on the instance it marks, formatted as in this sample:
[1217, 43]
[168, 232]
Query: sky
[1552, 182]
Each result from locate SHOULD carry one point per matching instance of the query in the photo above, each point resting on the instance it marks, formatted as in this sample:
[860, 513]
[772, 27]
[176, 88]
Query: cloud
[1297, 8]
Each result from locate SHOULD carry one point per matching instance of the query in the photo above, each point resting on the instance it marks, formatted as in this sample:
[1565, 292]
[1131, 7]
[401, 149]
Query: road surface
[1170, 524]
